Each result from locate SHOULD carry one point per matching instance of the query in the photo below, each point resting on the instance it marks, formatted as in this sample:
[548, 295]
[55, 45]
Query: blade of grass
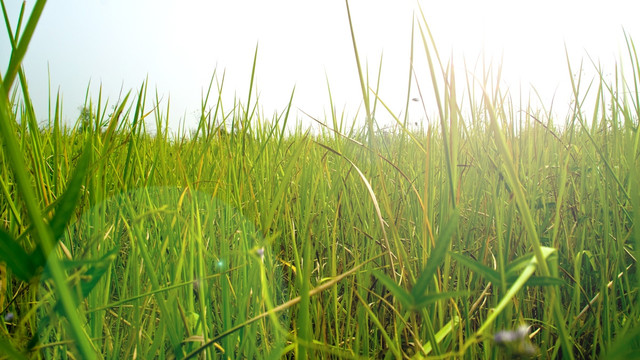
[514, 289]
[16, 258]
[435, 258]
[478, 267]
[521, 200]
[20, 49]
[281, 307]
[363, 88]
[43, 232]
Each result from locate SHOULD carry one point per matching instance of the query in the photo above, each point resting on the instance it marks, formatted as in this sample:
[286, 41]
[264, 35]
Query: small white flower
[9, 317]
[508, 336]
[516, 341]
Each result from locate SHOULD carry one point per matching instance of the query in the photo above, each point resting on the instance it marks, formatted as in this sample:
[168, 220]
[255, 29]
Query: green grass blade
[545, 281]
[23, 43]
[18, 166]
[435, 258]
[16, 258]
[441, 334]
[514, 289]
[437, 296]
[398, 292]
[527, 218]
[6, 348]
[69, 199]
[363, 88]
[478, 267]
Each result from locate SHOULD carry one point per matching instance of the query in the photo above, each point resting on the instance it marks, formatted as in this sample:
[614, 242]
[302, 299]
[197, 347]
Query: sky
[178, 45]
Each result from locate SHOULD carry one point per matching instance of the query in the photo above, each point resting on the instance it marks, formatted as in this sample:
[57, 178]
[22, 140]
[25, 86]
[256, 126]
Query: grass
[240, 239]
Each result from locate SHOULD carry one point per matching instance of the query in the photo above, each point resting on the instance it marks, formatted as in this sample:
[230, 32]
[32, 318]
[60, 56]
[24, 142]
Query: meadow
[495, 231]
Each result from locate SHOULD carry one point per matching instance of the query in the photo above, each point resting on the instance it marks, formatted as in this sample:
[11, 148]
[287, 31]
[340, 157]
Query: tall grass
[240, 239]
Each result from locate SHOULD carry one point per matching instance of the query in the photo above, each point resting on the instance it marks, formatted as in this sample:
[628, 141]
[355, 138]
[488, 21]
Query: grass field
[495, 232]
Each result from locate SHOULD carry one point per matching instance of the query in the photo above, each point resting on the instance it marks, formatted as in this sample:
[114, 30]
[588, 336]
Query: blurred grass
[242, 239]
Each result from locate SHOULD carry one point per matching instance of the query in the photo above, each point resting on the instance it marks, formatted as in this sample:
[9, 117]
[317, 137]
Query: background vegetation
[497, 231]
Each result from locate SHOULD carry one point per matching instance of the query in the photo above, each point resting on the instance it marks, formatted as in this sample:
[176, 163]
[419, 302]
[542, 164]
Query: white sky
[178, 45]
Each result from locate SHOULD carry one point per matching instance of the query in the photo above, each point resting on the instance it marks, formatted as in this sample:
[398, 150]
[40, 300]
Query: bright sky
[179, 44]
